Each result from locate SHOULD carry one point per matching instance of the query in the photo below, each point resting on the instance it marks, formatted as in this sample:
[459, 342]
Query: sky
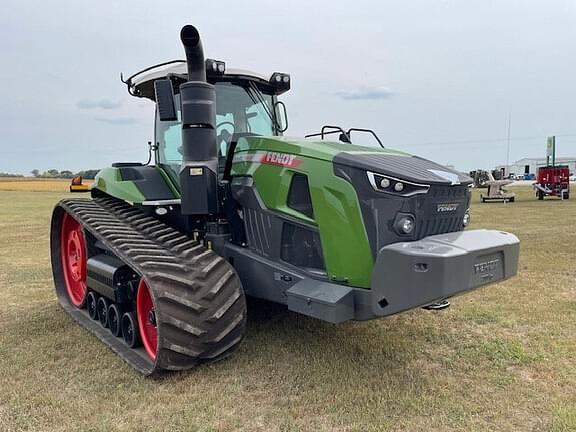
[436, 78]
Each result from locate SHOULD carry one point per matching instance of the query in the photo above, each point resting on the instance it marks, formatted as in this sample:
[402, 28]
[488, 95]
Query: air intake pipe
[198, 175]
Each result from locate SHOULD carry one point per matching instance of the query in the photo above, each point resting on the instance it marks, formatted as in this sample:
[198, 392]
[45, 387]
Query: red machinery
[554, 181]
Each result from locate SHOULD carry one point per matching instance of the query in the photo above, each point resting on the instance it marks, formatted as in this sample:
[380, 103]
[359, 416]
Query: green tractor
[159, 262]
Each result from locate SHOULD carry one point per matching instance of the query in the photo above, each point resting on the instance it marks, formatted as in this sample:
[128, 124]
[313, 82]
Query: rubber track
[199, 302]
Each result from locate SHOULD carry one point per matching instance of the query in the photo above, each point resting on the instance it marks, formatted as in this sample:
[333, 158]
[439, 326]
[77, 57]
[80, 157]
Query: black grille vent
[448, 192]
[439, 225]
[259, 230]
[299, 195]
[301, 247]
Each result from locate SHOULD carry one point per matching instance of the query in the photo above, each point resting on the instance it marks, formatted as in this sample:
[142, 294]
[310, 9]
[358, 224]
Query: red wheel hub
[147, 319]
[73, 254]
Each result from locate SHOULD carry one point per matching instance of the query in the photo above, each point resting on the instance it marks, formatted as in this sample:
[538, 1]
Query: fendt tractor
[158, 262]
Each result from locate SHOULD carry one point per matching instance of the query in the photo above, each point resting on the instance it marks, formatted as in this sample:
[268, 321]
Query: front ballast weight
[413, 274]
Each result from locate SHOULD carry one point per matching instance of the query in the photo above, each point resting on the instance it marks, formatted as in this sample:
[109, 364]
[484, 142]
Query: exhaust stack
[198, 175]
[194, 53]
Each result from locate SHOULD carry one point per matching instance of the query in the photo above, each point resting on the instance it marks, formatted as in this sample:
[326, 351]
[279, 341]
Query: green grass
[500, 359]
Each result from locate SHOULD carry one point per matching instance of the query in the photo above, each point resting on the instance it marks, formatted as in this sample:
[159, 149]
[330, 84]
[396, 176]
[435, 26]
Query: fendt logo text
[281, 159]
[487, 266]
[443, 208]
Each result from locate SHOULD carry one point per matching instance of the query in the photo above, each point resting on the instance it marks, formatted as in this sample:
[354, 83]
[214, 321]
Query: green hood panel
[272, 162]
[136, 183]
[110, 181]
[317, 149]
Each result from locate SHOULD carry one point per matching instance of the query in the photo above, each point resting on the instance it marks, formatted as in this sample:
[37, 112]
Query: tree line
[54, 173]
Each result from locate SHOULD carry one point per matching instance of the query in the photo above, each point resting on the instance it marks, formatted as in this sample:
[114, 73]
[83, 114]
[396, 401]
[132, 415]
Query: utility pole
[508, 144]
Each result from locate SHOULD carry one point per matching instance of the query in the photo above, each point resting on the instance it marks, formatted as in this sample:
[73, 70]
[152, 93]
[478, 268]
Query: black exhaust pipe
[194, 53]
[198, 176]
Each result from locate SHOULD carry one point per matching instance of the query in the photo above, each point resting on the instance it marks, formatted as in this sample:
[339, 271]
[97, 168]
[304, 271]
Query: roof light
[215, 67]
[280, 81]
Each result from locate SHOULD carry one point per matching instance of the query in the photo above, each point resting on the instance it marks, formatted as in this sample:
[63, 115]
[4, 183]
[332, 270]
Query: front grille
[430, 222]
[438, 225]
[447, 192]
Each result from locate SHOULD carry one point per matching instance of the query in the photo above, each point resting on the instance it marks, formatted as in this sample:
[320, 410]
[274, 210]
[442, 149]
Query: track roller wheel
[146, 315]
[102, 309]
[91, 300]
[130, 330]
[73, 256]
[114, 319]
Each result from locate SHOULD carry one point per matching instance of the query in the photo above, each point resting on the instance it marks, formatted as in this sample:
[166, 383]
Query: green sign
[551, 148]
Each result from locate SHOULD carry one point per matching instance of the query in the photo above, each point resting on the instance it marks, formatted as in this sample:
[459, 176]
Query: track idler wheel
[73, 258]
[91, 300]
[146, 315]
[114, 319]
[130, 330]
[102, 309]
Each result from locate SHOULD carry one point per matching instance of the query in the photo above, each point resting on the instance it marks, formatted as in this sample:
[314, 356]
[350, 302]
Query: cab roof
[141, 84]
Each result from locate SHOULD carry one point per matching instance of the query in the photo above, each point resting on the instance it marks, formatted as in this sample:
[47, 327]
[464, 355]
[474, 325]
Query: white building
[531, 165]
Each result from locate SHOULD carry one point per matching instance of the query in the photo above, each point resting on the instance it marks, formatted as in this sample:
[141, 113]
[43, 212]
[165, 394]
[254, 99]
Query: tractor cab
[246, 105]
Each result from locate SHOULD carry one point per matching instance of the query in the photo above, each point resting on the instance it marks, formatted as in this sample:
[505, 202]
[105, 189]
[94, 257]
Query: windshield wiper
[256, 96]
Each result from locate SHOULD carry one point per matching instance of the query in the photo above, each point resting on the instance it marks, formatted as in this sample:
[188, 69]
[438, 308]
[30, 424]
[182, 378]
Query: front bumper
[408, 275]
[412, 274]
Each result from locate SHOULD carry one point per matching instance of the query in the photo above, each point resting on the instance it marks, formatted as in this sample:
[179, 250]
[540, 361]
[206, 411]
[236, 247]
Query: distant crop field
[502, 358]
[33, 184]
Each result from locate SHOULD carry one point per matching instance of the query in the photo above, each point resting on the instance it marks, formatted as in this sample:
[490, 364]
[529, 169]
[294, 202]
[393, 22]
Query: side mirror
[281, 116]
[165, 100]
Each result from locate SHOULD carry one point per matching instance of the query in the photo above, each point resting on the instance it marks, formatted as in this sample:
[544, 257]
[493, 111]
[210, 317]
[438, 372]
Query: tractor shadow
[375, 353]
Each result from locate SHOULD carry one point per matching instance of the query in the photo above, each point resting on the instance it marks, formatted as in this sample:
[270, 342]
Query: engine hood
[405, 167]
[309, 148]
[384, 161]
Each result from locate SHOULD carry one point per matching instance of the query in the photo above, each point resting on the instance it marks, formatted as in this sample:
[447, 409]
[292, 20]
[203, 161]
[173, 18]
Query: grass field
[500, 359]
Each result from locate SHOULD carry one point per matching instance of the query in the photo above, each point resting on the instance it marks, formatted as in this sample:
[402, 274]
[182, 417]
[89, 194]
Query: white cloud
[365, 93]
[106, 104]
[118, 120]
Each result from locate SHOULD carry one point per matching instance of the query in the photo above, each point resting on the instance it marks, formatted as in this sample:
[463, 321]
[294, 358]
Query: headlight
[407, 225]
[404, 224]
[395, 186]
[466, 219]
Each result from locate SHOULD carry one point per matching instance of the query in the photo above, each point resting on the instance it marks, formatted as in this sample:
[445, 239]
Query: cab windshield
[240, 111]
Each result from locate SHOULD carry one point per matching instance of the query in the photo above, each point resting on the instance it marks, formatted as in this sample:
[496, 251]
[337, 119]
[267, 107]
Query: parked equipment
[496, 191]
[553, 181]
[163, 255]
